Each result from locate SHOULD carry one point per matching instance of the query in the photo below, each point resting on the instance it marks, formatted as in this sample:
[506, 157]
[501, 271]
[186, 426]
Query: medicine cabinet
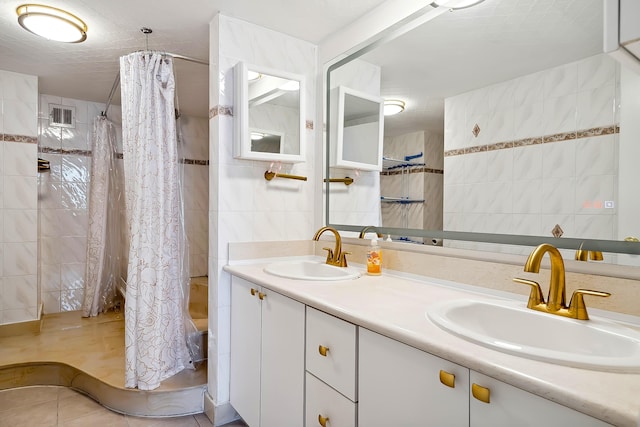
[269, 114]
[357, 129]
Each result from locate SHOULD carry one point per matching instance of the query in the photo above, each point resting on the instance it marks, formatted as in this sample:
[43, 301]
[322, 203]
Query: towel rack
[268, 175]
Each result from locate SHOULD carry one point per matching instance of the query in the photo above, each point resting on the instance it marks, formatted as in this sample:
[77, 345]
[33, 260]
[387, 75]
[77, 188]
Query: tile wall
[244, 206]
[18, 197]
[63, 198]
[545, 153]
[414, 182]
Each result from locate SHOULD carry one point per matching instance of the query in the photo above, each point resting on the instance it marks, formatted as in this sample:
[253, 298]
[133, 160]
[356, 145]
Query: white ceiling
[87, 70]
[458, 51]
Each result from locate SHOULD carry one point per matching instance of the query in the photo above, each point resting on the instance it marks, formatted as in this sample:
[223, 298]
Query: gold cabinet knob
[447, 379]
[261, 295]
[483, 394]
[322, 420]
[253, 291]
[323, 350]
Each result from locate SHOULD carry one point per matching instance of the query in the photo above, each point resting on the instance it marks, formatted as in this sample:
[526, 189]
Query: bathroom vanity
[363, 352]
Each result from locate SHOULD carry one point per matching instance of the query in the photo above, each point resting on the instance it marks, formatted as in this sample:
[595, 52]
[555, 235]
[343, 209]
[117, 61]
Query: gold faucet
[557, 294]
[583, 254]
[366, 229]
[334, 256]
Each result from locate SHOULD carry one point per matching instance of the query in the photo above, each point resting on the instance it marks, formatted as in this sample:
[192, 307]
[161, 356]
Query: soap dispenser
[374, 258]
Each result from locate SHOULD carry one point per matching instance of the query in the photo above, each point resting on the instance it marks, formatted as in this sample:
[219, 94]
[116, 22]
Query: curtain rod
[116, 82]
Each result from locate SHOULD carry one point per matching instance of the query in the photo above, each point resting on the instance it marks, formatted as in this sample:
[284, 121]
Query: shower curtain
[157, 281]
[103, 241]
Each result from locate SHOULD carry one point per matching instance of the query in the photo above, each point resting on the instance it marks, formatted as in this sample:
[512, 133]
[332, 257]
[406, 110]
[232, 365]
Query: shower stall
[145, 198]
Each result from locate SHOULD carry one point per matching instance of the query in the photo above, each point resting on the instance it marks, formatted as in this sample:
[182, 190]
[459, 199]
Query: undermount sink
[511, 327]
[311, 270]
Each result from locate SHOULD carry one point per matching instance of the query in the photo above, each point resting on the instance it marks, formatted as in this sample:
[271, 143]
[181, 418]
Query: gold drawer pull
[253, 291]
[261, 295]
[322, 420]
[483, 394]
[323, 351]
[447, 379]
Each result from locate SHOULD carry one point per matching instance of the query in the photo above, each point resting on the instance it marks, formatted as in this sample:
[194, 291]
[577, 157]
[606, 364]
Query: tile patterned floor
[52, 406]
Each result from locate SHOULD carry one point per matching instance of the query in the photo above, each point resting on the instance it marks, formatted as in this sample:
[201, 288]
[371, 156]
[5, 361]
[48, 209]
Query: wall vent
[62, 116]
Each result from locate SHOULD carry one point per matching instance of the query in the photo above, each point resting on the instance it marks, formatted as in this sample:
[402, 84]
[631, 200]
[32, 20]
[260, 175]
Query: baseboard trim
[224, 413]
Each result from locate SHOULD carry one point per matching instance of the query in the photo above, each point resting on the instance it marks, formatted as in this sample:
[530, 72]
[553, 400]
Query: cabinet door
[282, 373]
[399, 385]
[245, 350]
[325, 406]
[511, 406]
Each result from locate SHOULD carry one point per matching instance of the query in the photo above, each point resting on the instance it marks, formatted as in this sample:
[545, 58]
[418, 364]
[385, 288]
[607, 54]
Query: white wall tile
[19, 159]
[20, 117]
[596, 156]
[20, 259]
[20, 225]
[20, 192]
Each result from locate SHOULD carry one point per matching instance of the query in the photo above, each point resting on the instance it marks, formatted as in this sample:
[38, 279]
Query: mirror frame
[242, 133]
[420, 18]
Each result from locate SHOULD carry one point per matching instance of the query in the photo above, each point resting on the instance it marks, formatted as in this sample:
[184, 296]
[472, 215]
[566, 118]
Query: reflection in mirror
[269, 106]
[359, 130]
[522, 123]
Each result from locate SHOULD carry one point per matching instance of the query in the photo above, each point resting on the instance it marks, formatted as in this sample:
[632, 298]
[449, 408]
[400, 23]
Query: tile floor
[52, 406]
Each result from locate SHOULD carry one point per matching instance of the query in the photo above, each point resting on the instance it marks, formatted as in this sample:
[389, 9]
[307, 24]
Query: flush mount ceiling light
[52, 23]
[462, 4]
[393, 106]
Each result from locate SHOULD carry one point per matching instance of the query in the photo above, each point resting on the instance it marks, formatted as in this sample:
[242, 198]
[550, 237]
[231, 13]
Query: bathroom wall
[543, 154]
[244, 206]
[63, 198]
[18, 202]
[414, 182]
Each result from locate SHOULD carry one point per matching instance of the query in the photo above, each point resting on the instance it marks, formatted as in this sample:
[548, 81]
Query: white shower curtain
[103, 236]
[155, 343]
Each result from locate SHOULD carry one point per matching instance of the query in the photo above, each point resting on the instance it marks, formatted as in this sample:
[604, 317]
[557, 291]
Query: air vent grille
[62, 116]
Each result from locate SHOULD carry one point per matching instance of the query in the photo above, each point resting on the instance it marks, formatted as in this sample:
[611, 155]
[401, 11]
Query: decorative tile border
[221, 110]
[120, 156]
[415, 169]
[558, 137]
[20, 138]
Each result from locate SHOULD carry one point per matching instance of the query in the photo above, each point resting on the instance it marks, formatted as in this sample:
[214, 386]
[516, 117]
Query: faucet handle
[329, 254]
[535, 297]
[343, 259]
[577, 306]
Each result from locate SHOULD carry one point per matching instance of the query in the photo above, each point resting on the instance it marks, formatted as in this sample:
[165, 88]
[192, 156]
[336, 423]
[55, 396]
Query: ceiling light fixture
[393, 106]
[462, 4]
[52, 23]
[253, 75]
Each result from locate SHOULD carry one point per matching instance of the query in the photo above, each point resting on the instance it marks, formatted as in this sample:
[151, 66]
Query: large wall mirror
[269, 110]
[517, 129]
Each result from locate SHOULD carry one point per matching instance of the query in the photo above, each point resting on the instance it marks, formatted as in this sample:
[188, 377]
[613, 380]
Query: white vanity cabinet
[403, 386]
[400, 385]
[511, 406]
[267, 356]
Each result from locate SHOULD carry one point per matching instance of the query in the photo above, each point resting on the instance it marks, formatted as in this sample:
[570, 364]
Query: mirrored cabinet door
[268, 114]
[357, 129]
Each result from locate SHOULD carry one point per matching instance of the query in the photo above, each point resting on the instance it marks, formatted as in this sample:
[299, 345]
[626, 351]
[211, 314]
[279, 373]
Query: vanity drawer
[325, 406]
[331, 351]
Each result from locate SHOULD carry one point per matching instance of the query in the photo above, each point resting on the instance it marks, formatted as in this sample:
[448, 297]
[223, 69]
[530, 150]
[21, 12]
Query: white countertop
[395, 306]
